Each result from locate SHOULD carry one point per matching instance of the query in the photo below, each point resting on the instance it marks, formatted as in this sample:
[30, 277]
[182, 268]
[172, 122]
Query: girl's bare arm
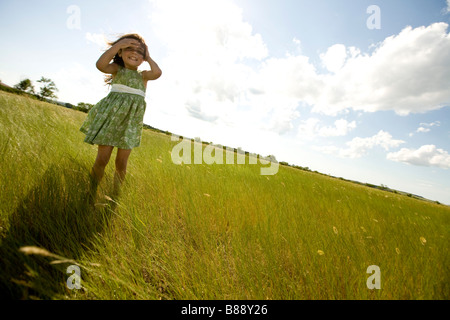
[155, 71]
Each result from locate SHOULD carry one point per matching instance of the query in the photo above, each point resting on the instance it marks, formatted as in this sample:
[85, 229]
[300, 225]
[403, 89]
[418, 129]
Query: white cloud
[426, 127]
[335, 57]
[406, 73]
[207, 43]
[221, 71]
[215, 30]
[280, 121]
[341, 128]
[292, 77]
[307, 130]
[297, 42]
[311, 128]
[358, 147]
[89, 83]
[427, 155]
[96, 38]
[432, 124]
[423, 130]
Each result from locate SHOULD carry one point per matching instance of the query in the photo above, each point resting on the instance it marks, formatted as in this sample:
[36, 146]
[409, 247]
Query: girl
[117, 120]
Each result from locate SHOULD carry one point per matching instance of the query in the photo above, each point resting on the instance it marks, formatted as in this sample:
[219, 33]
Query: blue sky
[307, 81]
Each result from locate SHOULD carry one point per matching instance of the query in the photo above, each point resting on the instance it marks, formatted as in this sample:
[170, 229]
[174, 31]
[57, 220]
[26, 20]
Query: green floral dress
[117, 120]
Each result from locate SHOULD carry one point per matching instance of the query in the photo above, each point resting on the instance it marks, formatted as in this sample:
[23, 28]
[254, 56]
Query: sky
[352, 88]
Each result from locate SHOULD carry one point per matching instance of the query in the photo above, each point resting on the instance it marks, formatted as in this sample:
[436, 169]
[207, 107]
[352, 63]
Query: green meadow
[199, 231]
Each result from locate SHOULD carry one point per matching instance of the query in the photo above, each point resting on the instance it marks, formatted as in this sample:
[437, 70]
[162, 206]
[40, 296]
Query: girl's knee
[122, 160]
[102, 161]
[103, 156]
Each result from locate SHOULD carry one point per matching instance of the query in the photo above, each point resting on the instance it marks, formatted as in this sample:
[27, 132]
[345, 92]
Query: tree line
[47, 92]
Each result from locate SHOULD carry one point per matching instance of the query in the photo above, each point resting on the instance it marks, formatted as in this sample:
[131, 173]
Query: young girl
[117, 120]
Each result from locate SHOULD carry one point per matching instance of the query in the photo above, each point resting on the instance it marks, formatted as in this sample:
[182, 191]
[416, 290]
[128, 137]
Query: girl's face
[132, 57]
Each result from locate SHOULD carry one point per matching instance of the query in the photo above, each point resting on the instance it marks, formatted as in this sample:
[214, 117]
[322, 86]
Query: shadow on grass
[58, 216]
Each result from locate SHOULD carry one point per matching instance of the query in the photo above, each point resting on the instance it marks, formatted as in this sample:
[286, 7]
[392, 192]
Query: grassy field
[199, 231]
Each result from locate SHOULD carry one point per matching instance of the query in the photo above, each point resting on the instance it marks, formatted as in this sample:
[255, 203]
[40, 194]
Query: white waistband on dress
[125, 89]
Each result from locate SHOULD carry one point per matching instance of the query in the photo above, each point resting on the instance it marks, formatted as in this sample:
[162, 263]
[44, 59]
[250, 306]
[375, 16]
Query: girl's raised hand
[127, 42]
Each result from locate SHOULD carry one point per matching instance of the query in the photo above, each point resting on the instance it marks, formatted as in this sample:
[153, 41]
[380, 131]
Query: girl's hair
[117, 59]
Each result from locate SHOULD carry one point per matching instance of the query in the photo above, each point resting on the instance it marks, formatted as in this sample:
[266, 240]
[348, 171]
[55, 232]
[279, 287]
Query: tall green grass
[199, 231]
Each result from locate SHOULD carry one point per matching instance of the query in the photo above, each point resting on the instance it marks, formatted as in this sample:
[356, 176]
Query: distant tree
[83, 106]
[26, 86]
[48, 89]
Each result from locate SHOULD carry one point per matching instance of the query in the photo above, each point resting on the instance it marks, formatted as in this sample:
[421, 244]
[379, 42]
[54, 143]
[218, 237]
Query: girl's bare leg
[103, 156]
[121, 168]
[98, 170]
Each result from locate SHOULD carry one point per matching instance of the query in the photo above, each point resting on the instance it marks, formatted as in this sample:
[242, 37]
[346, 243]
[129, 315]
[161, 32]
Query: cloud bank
[359, 147]
[427, 155]
[221, 70]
